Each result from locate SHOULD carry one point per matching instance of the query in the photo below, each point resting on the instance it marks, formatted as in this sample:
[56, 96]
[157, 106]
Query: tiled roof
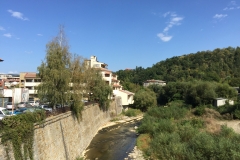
[153, 80]
[117, 85]
[30, 75]
[127, 92]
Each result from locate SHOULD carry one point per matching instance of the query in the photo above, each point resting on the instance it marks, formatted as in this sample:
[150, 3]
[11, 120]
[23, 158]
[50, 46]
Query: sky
[124, 34]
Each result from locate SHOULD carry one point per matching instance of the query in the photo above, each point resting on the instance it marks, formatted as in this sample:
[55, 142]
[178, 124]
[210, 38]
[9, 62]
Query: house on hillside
[222, 101]
[153, 82]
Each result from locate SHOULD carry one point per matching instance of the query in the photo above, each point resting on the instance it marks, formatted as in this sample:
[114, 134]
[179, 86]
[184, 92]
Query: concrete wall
[62, 137]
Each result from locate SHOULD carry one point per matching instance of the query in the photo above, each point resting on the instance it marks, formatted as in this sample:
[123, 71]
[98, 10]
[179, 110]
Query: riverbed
[113, 142]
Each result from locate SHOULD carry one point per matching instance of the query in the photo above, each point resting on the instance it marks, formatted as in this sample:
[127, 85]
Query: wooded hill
[219, 65]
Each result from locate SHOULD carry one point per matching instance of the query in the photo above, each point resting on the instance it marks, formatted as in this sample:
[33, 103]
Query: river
[113, 143]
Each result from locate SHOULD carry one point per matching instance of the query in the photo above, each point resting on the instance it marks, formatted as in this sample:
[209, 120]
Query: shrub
[132, 112]
[199, 111]
[19, 130]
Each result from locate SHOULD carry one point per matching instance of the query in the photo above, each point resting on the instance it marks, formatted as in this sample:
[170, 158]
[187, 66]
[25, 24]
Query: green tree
[55, 71]
[97, 88]
[144, 99]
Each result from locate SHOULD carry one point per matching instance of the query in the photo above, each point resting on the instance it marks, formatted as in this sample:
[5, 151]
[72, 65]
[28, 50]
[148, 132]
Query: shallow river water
[113, 143]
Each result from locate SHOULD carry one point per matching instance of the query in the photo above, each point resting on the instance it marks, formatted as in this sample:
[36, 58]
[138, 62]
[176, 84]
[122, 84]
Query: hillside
[219, 65]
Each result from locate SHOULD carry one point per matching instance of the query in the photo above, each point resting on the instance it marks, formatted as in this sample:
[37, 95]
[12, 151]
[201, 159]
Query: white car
[4, 112]
[46, 107]
[9, 105]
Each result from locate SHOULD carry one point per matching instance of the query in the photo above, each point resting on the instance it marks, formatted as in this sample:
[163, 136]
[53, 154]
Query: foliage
[219, 65]
[19, 130]
[195, 93]
[132, 112]
[54, 72]
[101, 91]
[199, 111]
[184, 138]
[145, 99]
[233, 110]
[77, 87]
[67, 78]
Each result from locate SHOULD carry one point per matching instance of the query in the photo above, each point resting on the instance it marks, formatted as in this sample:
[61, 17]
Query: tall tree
[55, 71]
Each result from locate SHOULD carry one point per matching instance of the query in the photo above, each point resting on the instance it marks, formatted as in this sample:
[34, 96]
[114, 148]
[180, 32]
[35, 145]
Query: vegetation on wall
[18, 132]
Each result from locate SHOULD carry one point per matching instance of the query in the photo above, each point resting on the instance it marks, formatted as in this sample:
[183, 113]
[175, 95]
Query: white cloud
[220, 16]
[2, 29]
[7, 35]
[164, 38]
[18, 15]
[13, 72]
[39, 34]
[173, 21]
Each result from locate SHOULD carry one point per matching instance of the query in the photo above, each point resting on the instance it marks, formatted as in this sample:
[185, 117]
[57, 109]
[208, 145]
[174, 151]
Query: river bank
[116, 140]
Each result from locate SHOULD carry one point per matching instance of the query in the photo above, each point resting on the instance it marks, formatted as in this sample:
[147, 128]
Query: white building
[111, 79]
[222, 101]
[154, 82]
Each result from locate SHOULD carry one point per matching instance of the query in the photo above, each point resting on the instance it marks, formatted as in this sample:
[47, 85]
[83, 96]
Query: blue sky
[122, 33]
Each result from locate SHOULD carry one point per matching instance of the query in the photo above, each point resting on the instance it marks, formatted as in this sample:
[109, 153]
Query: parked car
[46, 107]
[32, 103]
[9, 105]
[32, 109]
[4, 112]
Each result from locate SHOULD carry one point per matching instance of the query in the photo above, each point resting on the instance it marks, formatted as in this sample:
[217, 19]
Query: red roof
[30, 75]
[127, 92]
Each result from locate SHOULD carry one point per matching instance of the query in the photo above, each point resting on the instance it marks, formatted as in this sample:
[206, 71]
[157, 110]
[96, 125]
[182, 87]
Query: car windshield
[21, 102]
[6, 112]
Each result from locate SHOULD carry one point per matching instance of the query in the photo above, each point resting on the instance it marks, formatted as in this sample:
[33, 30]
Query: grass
[132, 112]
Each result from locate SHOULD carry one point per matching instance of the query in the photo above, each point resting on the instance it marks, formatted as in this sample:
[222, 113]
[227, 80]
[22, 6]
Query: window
[29, 80]
[107, 75]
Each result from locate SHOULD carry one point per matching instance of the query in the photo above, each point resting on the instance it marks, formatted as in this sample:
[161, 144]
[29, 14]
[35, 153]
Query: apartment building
[9, 80]
[111, 79]
[31, 81]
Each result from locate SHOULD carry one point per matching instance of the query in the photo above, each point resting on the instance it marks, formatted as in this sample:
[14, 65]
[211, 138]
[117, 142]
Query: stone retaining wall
[62, 137]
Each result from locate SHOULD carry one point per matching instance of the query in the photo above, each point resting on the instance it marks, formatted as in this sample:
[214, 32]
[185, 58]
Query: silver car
[4, 112]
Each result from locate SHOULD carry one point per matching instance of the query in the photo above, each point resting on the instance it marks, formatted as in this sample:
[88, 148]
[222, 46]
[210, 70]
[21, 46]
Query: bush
[199, 111]
[132, 112]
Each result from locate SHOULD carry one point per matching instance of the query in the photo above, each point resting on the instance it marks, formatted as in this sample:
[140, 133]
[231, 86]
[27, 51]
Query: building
[222, 101]
[111, 79]
[154, 82]
[9, 80]
[31, 81]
